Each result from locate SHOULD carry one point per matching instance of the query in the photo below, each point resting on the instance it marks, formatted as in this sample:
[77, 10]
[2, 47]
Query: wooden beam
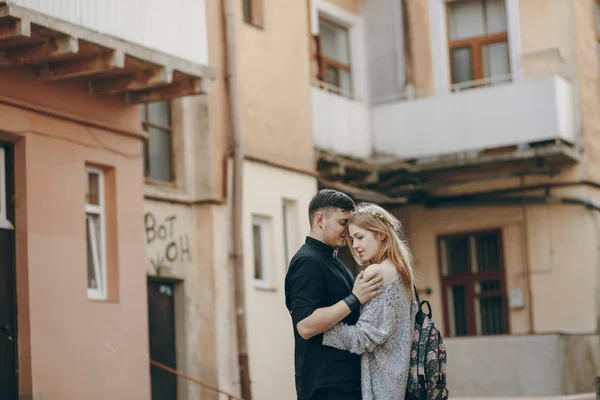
[14, 28]
[184, 66]
[363, 194]
[106, 61]
[146, 79]
[39, 53]
[187, 87]
[4, 9]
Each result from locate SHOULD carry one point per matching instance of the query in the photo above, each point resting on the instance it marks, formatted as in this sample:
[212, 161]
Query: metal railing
[196, 381]
[535, 64]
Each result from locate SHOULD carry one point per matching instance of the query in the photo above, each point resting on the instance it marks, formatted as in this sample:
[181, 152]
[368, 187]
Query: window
[597, 6]
[4, 196]
[473, 284]
[260, 241]
[156, 121]
[3, 215]
[253, 12]
[95, 233]
[478, 41]
[290, 229]
[333, 56]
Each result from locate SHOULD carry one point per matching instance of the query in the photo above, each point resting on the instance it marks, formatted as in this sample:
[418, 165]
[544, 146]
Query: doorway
[8, 304]
[161, 325]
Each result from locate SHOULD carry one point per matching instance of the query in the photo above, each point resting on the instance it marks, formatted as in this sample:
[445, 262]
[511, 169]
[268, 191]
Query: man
[320, 292]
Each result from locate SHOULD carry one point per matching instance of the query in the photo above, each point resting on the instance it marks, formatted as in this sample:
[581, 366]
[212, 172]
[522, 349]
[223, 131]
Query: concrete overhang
[60, 50]
[395, 180]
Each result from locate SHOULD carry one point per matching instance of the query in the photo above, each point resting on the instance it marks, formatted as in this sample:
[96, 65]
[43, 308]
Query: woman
[383, 333]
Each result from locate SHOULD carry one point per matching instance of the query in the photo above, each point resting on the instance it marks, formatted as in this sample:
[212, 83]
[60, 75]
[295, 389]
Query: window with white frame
[290, 228]
[260, 246]
[333, 56]
[4, 196]
[478, 41]
[156, 121]
[3, 215]
[95, 233]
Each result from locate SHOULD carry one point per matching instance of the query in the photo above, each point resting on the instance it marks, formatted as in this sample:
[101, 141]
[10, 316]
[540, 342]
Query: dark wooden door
[161, 321]
[8, 326]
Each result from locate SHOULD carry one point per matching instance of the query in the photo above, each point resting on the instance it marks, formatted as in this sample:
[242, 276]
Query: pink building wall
[71, 347]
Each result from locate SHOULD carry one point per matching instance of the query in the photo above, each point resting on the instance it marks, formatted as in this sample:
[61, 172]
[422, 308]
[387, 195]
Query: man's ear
[319, 219]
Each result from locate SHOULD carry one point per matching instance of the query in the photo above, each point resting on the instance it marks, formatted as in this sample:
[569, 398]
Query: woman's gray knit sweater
[383, 336]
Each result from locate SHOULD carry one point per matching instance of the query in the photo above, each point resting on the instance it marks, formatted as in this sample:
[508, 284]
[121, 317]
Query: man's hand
[366, 288]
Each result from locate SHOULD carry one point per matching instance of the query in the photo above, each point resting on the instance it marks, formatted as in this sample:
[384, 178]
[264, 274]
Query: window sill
[254, 25]
[165, 191]
[264, 287]
[156, 182]
[104, 301]
[5, 224]
[97, 297]
[326, 87]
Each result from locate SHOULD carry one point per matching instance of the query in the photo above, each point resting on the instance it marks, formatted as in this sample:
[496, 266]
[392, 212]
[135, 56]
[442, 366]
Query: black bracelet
[352, 302]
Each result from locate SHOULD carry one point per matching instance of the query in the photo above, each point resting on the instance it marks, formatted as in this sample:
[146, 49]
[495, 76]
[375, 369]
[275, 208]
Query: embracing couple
[352, 336]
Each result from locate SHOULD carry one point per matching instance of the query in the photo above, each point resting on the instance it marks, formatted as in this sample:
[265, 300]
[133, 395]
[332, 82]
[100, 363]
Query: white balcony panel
[176, 27]
[476, 119]
[340, 124]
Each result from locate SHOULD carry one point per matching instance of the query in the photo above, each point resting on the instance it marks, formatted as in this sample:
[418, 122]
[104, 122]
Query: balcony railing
[509, 114]
[146, 23]
[461, 118]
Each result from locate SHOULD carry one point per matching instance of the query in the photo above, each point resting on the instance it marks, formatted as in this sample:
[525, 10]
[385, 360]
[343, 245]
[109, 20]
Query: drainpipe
[237, 211]
[527, 261]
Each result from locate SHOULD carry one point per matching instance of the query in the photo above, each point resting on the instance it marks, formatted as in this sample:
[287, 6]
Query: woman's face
[364, 242]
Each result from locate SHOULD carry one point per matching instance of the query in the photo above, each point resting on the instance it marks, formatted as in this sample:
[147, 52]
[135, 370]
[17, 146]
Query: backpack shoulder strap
[417, 295]
[428, 313]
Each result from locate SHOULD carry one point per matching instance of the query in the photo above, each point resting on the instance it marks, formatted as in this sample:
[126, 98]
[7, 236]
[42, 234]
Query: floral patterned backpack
[427, 377]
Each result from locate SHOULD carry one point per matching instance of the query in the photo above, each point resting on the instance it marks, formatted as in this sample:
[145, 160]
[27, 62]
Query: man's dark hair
[329, 198]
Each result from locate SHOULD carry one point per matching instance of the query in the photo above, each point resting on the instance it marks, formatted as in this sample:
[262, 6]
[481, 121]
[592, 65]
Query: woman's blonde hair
[376, 219]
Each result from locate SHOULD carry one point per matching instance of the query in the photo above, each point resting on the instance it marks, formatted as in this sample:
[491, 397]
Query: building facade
[279, 179]
[476, 122]
[73, 296]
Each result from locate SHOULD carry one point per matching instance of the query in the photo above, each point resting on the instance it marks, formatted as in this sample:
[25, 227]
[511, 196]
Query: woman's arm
[373, 328]
[306, 286]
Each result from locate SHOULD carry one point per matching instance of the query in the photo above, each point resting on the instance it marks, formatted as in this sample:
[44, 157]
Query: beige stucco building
[195, 204]
[279, 181]
[486, 155]
[478, 129]
[473, 120]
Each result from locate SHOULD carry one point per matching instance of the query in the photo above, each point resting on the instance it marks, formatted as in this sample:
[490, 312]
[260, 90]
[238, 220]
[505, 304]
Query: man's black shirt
[317, 278]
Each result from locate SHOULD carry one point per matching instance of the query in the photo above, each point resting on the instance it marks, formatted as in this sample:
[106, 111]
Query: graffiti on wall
[167, 245]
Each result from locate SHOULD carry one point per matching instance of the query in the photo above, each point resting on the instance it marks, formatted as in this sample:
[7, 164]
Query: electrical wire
[89, 130]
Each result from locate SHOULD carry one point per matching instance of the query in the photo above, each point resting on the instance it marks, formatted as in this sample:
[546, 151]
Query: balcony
[42, 39]
[177, 27]
[464, 123]
[340, 124]
[507, 114]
